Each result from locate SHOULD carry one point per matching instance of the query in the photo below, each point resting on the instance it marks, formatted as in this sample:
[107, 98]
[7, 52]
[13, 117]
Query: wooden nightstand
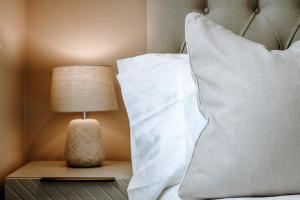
[53, 180]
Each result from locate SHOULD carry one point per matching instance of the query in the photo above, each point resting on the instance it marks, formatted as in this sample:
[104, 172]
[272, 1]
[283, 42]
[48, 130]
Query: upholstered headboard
[274, 23]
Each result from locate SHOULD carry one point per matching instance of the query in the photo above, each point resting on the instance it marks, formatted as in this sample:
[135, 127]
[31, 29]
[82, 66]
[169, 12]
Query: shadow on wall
[90, 32]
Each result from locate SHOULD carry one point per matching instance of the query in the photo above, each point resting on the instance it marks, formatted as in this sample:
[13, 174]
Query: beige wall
[66, 32]
[12, 41]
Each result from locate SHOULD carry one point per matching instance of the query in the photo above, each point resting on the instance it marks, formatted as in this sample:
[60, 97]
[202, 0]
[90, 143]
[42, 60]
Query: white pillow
[250, 96]
[161, 101]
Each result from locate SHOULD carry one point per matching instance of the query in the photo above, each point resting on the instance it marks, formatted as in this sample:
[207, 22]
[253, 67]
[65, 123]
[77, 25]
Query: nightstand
[52, 180]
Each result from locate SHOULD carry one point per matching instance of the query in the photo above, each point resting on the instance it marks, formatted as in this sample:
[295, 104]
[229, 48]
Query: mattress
[171, 194]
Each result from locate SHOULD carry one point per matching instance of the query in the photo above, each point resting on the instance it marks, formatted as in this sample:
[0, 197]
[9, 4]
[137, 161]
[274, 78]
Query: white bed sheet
[171, 194]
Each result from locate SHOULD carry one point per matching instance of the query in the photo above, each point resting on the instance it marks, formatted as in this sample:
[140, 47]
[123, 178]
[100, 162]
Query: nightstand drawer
[32, 189]
[53, 180]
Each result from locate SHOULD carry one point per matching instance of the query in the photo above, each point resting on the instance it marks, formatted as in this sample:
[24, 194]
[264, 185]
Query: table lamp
[83, 89]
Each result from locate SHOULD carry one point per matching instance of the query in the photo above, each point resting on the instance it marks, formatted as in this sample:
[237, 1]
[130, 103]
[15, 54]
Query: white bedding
[160, 96]
[171, 194]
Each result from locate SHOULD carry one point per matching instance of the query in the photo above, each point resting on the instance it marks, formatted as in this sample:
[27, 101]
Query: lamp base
[84, 147]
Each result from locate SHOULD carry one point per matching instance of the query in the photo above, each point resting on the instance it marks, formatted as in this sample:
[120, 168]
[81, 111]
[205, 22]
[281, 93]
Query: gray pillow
[251, 98]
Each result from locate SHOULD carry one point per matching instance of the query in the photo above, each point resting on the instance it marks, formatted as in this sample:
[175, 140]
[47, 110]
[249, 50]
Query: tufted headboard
[273, 23]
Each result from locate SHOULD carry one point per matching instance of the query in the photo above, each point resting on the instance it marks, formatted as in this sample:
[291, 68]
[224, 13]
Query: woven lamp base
[84, 147]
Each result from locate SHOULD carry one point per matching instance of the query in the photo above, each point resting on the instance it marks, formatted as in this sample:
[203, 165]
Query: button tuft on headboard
[206, 10]
[257, 10]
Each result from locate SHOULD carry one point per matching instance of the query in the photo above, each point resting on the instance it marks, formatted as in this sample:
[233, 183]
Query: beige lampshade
[83, 89]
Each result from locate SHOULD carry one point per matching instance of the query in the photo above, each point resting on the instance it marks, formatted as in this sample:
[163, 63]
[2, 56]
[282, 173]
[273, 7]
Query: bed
[273, 23]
